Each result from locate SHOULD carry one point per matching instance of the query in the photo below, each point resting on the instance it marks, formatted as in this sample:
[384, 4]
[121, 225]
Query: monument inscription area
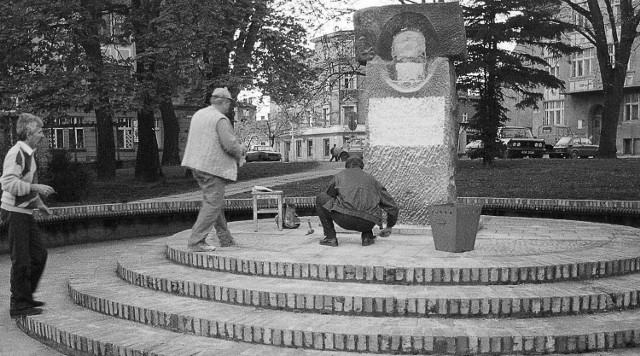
[410, 101]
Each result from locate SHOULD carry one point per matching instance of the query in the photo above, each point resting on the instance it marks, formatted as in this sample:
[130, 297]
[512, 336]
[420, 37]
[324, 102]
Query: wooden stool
[276, 194]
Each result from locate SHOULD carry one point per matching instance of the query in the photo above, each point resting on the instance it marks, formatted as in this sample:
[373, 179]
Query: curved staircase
[531, 286]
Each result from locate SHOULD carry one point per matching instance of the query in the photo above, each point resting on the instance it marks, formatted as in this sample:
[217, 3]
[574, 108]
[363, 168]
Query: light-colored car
[574, 147]
[262, 153]
[352, 148]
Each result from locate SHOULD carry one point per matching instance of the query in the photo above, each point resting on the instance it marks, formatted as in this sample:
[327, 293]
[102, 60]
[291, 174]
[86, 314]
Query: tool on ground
[310, 228]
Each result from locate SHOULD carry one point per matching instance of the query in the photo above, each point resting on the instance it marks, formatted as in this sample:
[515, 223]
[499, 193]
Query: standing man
[20, 195]
[213, 153]
[333, 153]
[355, 200]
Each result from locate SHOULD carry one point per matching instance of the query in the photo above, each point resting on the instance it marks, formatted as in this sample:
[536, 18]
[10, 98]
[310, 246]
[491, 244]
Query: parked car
[262, 153]
[352, 148]
[518, 141]
[473, 149]
[574, 147]
[515, 141]
[551, 134]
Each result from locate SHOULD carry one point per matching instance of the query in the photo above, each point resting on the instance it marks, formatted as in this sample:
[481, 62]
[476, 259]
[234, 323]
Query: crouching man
[355, 200]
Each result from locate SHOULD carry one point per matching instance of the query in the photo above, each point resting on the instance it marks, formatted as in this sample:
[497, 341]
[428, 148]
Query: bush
[71, 180]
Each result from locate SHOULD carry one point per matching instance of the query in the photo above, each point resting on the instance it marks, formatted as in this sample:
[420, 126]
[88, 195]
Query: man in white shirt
[213, 153]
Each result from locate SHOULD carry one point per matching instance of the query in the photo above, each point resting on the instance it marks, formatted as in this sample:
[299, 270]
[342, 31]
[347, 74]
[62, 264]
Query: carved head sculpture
[409, 46]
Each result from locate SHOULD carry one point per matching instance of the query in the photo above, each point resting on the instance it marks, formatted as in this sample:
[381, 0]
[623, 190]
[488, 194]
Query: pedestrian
[21, 194]
[355, 200]
[213, 153]
[333, 153]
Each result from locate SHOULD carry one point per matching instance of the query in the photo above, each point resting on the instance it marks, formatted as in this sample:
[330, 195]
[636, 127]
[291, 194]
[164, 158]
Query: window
[554, 67]
[612, 54]
[327, 147]
[465, 117]
[299, 148]
[582, 63]
[349, 81]
[124, 134]
[580, 20]
[326, 120]
[631, 106]
[554, 113]
[346, 112]
[76, 134]
[158, 131]
[310, 148]
[113, 24]
[56, 138]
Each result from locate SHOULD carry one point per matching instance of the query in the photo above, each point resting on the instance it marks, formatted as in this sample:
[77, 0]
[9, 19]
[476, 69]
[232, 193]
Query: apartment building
[335, 102]
[581, 104]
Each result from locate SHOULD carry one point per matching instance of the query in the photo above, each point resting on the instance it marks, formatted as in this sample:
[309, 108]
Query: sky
[347, 24]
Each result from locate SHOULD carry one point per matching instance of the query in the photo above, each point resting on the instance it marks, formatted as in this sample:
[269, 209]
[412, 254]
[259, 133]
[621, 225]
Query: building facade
[325, 120]
[581, 104]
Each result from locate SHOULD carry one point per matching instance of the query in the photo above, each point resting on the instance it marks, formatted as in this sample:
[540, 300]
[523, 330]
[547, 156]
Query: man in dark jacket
[355, 200]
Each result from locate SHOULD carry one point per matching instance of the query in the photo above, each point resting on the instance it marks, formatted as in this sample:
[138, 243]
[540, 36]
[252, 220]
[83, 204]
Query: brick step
[495, 260]
[84, 332]
[106, 293]
[154, 272]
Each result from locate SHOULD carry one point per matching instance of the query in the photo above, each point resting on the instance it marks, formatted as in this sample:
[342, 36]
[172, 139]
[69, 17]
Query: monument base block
[454, 226]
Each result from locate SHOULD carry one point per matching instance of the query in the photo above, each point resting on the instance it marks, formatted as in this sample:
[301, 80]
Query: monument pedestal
[410, 101]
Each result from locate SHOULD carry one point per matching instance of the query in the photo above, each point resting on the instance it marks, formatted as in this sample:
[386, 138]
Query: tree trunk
[105, 152]
[609, 126]
[147, 162]
[106, 147]
[171, 148]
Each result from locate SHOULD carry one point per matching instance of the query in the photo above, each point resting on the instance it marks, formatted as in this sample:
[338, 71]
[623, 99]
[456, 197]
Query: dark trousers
[345, 221]
[28, 257]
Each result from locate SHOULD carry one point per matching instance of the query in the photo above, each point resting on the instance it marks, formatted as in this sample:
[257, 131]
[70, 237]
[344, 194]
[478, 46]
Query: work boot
[201, 247]
[36, 303]
[366, 241]
[16, 313]
[329, 241]
[229, 243]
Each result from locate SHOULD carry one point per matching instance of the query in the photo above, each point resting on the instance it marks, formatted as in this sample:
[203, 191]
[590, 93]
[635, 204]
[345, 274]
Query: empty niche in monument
[409, 54]
[408, 45]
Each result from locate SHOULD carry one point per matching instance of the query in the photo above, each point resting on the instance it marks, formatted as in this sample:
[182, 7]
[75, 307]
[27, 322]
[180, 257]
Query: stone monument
[410, 101]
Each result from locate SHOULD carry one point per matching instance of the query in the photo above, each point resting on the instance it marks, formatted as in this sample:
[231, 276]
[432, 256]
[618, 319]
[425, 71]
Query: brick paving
[403, 295]
[354, 311]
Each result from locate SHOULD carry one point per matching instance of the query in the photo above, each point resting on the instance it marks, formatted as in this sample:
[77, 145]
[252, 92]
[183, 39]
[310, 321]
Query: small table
[276, 194]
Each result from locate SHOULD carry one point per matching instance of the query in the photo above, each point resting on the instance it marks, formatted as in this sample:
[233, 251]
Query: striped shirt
[18, 173]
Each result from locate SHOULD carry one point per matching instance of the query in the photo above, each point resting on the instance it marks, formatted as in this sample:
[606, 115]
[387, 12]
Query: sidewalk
[325, 169]
[64, 260]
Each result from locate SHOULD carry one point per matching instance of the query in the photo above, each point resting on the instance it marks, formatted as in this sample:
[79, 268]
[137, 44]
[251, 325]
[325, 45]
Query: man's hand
[386, 231]
[42, 189]
[45, 210]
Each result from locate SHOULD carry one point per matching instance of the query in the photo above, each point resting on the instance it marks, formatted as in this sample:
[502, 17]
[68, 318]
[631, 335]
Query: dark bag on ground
[291, 219]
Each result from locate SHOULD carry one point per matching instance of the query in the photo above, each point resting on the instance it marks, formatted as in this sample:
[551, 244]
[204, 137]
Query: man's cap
[222, 93]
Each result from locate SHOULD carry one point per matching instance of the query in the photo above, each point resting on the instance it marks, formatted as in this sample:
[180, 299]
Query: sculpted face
[409, 46]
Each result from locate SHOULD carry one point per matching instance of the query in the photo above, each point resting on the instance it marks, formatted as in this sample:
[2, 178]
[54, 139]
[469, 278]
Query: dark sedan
[574, 147]
[262, 153]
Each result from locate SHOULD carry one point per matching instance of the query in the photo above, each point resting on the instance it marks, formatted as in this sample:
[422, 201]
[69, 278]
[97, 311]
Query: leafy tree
[496, 73]
[597, 29]
[52, 61]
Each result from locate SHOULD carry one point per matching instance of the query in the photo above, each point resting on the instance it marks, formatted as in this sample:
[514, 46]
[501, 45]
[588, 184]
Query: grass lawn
[518, 178]
[528, 178]
[125, 188]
